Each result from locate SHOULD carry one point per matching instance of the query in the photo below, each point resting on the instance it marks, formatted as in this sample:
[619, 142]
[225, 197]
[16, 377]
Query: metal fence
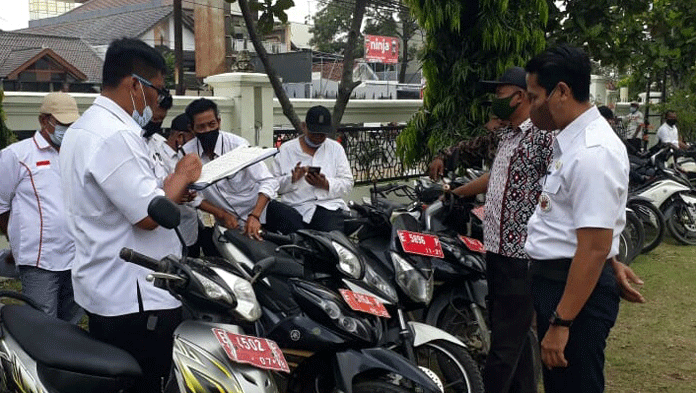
[371, 152]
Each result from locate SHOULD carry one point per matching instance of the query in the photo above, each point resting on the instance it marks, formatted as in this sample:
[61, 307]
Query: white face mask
[58, 134]
[633, 109]
[145, 118]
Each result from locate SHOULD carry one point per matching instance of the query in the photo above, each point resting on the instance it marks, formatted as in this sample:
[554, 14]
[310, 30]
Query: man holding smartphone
[314, 175]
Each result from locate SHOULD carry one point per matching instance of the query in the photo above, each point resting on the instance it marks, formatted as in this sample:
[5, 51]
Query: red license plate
[472, 244]
[479, 212]
[259, 352]
[420, 244]
[364, 303]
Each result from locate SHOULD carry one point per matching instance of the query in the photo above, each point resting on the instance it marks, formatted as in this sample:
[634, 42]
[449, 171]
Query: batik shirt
[514, 186]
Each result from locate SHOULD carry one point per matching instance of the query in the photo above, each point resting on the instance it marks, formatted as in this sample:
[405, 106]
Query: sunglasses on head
[164, 99]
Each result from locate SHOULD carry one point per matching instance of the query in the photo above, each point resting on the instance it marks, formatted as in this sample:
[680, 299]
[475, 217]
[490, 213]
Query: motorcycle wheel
[457, 318]
[653, 223]
[679, 223]
[452, 364]
[635, 234]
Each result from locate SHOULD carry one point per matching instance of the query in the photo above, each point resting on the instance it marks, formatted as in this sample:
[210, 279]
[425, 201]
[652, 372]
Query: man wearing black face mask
[512, 189]
[668, 133]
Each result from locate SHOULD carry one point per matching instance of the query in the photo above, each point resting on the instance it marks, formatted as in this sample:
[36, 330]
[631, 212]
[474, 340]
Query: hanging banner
[380, 49]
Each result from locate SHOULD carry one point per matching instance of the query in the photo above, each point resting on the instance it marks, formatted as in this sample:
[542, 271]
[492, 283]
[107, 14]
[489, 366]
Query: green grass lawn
[652, 347]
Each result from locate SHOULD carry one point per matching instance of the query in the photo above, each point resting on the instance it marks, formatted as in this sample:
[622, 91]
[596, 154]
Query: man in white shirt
[574, 231]
[165, 154]
[108, 182]
[668, 132]
[314, 174]
[32, 212]
[635, 127]
[243, 196]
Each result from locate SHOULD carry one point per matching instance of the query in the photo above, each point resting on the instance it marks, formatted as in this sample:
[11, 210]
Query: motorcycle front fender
[689, 199]
[351, 362]
[423, 333]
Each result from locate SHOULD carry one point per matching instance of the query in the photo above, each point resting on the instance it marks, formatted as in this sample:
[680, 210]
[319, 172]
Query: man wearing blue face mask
[32, 213]
[108, 182]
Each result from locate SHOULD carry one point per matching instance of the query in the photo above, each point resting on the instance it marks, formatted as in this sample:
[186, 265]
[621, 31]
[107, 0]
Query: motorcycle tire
[679, 223]
[653, 223]
[635, 233]
[457, 371]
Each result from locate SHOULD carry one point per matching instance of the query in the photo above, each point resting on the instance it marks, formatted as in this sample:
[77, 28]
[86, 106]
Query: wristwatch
[555, 320]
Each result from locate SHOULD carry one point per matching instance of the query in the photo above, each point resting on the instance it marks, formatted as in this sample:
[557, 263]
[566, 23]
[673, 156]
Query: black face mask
[208, 140]
[152, 128]
[672, 122]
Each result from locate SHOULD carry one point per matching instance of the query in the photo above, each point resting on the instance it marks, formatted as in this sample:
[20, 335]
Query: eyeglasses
[164, 99]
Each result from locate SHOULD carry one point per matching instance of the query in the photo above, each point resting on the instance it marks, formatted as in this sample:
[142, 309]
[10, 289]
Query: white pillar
[252, 113]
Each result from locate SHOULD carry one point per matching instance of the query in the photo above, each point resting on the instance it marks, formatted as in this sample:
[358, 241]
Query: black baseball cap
[318, 120]
[515, 76]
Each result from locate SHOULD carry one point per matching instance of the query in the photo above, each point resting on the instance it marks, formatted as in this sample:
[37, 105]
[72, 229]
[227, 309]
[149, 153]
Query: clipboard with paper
[230, 163]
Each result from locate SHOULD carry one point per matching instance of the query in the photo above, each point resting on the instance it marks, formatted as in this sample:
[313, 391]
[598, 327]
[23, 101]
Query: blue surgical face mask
[58, 133]
[145, 118]
[311, 144]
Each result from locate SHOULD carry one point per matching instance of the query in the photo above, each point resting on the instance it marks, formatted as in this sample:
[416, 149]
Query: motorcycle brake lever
[163, 276]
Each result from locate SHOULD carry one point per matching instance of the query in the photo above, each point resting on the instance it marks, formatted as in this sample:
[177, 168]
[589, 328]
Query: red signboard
[472, 244]
[380, 49]
[420, 244]
[364, 303]
[260, 352]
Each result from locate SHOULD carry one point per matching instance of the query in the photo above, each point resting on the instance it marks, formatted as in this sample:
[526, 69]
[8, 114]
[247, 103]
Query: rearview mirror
[164, 212]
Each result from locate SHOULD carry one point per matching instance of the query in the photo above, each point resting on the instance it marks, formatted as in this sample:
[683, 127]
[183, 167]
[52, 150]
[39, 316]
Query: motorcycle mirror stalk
[166, 214]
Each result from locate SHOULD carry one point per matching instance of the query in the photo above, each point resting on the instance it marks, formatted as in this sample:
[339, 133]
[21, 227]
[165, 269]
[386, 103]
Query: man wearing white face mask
[32, 213]
[108, 182]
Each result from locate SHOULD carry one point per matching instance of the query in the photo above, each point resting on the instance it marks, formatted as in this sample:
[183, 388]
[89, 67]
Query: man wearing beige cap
[32, 213]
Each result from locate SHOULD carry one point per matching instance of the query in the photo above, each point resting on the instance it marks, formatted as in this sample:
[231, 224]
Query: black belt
[554, 269]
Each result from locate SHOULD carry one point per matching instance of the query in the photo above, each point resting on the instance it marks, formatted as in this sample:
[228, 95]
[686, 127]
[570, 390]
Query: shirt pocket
[552, 185]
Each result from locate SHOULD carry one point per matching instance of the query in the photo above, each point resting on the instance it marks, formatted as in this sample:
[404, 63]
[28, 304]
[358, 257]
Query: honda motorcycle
[212, 353]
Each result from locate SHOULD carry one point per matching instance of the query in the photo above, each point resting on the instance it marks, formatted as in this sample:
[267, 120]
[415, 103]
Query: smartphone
[314, 169]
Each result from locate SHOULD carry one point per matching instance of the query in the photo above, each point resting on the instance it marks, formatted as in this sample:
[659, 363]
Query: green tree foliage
[331, 26]
[6, 135]
[466, 41]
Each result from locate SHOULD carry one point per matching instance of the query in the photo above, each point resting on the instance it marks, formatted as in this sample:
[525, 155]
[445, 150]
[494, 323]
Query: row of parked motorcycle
[396, 303]
[662, 199]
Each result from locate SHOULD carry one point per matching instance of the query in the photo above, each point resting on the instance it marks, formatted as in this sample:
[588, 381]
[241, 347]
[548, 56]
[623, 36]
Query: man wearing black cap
[314, 174]
[512, 189]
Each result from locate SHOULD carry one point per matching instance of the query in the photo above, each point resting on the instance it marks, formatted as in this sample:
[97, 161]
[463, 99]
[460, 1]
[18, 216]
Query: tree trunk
[288, 109]
[345, 88]
[404, 62]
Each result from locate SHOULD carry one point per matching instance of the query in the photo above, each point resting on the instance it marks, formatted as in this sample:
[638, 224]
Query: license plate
[364, 303]
[420, 244]
[259, 352]
[479, 212]
[472, 244]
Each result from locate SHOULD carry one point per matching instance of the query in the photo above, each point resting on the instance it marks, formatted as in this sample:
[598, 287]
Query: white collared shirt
[108, 182]
[586, 187]
[303, 196]
[633, 120]
[30, 191]
[165, 159]
[236, 194]
[668, 134]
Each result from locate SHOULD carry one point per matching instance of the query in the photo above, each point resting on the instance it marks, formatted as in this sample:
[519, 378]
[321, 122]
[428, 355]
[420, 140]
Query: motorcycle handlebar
[139, 259]
[386, 187]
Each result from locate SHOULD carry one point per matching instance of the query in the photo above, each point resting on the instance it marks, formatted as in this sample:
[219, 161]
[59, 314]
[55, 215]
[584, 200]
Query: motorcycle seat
[256, 251]
[64, 349]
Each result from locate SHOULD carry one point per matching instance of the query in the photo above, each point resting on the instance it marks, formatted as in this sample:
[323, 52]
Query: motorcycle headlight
[384, 288]
[348, 262]
[248, 307]
[339, 315]
[411, 281]
[213, 290]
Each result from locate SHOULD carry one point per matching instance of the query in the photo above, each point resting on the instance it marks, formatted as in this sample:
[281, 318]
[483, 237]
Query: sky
[15, 13]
